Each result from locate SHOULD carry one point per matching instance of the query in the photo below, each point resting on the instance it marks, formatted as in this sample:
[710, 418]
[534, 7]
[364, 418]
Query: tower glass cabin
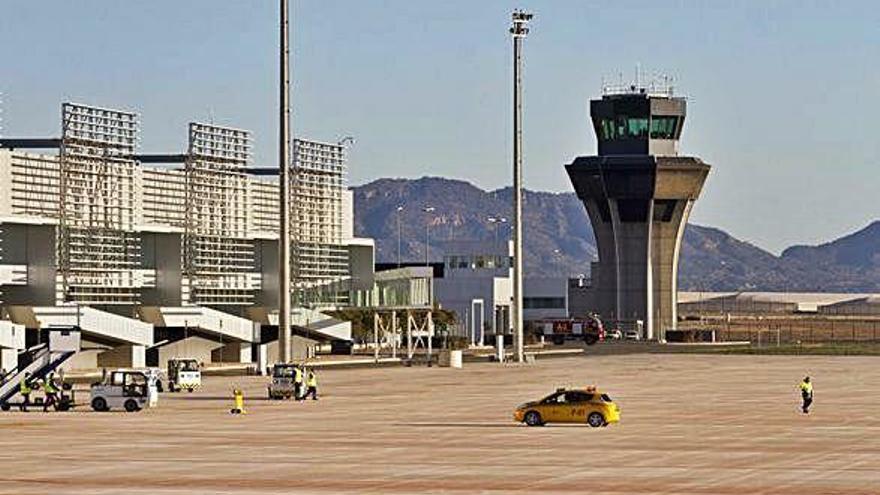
[638, 193]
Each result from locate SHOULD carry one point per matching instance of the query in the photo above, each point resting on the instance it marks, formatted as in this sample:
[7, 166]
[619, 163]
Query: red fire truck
[588, 329]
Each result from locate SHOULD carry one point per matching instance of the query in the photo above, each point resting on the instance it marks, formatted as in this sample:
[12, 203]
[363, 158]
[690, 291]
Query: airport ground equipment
[131, 390]
[183, 374]
[583, 405]
[282, 386]
[40, 361]
[154, 376]
[589, 329]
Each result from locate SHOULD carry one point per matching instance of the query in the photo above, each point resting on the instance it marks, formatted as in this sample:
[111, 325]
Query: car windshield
[189, 366]
[285, 371]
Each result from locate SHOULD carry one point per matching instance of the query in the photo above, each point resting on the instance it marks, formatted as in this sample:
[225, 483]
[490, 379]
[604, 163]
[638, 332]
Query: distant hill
[559, 240]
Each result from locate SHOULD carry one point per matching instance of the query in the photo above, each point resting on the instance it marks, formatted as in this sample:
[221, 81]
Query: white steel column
[519, 31]
[284, 188]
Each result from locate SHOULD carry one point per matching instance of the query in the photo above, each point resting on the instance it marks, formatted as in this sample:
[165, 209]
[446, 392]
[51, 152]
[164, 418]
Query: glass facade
[625, 127]
[543, 303]
[663, 127]
[478, 262]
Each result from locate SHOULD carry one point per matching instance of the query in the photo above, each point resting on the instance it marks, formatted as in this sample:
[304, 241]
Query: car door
[552, 408]
[577, 406]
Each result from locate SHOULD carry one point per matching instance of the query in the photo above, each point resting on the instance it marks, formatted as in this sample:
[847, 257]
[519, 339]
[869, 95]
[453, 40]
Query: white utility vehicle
[130, 390]
[183, 374]
[282, 386]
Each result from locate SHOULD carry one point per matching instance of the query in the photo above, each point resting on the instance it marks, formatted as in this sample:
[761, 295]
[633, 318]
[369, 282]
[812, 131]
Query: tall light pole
[284, 186]
[427, 209]
[399, 212]
[519, 30]
[495, 221]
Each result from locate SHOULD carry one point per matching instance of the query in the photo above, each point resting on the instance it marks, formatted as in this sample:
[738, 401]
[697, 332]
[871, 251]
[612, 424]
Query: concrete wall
[545, 287]
[301, 349]
[236, 352]
[34, 246]
[123, 356]
[457, 294]
[161, 252]
[267, 263]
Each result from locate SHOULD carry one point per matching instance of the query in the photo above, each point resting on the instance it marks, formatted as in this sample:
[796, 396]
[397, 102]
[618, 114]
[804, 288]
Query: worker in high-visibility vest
[238, 399]
[51, 393]
[25, 390]
[312, 385]
[297, 383]
[806, 387]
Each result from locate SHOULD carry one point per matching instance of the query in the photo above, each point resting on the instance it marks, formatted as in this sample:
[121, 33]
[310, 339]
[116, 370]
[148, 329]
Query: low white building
[477, 284]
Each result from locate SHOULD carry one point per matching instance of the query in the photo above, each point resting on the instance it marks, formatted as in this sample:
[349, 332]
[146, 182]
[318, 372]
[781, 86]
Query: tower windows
[625, 127]
[663, 127]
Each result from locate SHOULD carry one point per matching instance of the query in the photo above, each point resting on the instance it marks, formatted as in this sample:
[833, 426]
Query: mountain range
[558, 239]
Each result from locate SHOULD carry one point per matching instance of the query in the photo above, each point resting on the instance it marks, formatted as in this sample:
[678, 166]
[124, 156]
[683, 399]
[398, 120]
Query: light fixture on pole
[495, 221]
[427, 209]
[519, 30]
[399, 213]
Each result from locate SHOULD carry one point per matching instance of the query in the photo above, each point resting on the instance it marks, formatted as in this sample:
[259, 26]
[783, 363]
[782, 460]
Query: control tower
[638, 193]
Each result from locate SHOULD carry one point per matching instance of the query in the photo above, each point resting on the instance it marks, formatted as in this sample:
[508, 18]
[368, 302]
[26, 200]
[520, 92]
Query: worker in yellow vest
[238, 400]
[25, 390]
[51, 392]
[312, 384]
[806, 387]
[297, 382]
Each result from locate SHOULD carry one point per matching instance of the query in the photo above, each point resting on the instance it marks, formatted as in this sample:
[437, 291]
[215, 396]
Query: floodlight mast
[284, 164]
[519, 30]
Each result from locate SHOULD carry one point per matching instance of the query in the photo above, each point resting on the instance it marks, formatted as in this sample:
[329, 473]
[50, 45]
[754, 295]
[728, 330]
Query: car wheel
[189, 390]
[558, 340]
[99, 404]
[131, 405]
[5, 406]
[533, 418]
[595, 419]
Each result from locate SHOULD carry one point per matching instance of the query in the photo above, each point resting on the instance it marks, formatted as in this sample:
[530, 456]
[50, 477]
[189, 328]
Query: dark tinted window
[663, 127]
[663, 209]
[544, 302]
[606, 398]
[632, 210]
[624, 127]
[578, 397]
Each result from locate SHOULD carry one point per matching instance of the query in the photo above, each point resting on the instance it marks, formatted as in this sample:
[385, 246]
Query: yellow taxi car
[584, 405]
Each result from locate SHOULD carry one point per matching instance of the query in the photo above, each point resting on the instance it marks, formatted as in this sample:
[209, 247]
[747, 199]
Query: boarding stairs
[45, 358]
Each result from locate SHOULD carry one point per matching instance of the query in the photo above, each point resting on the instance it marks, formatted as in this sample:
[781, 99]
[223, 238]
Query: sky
[783, 96]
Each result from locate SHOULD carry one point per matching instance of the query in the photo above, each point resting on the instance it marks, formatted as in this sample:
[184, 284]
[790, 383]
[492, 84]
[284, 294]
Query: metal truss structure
[218, 259]
[98, 245]
[320, 261]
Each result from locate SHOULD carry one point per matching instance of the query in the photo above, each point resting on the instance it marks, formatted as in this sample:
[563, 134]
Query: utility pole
[427, 210]
[519, 30]
[284, 188]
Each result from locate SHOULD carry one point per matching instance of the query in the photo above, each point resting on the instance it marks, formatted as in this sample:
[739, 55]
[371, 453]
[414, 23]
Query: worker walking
[25, 390]
[51, 393]
[312, 384]
[297, 382]
[806, 394]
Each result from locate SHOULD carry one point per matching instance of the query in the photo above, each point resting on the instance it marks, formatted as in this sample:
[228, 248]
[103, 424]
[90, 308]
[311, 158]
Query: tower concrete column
[638, 194]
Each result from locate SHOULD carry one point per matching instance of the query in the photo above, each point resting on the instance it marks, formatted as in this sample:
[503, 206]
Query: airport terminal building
[148, 253]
